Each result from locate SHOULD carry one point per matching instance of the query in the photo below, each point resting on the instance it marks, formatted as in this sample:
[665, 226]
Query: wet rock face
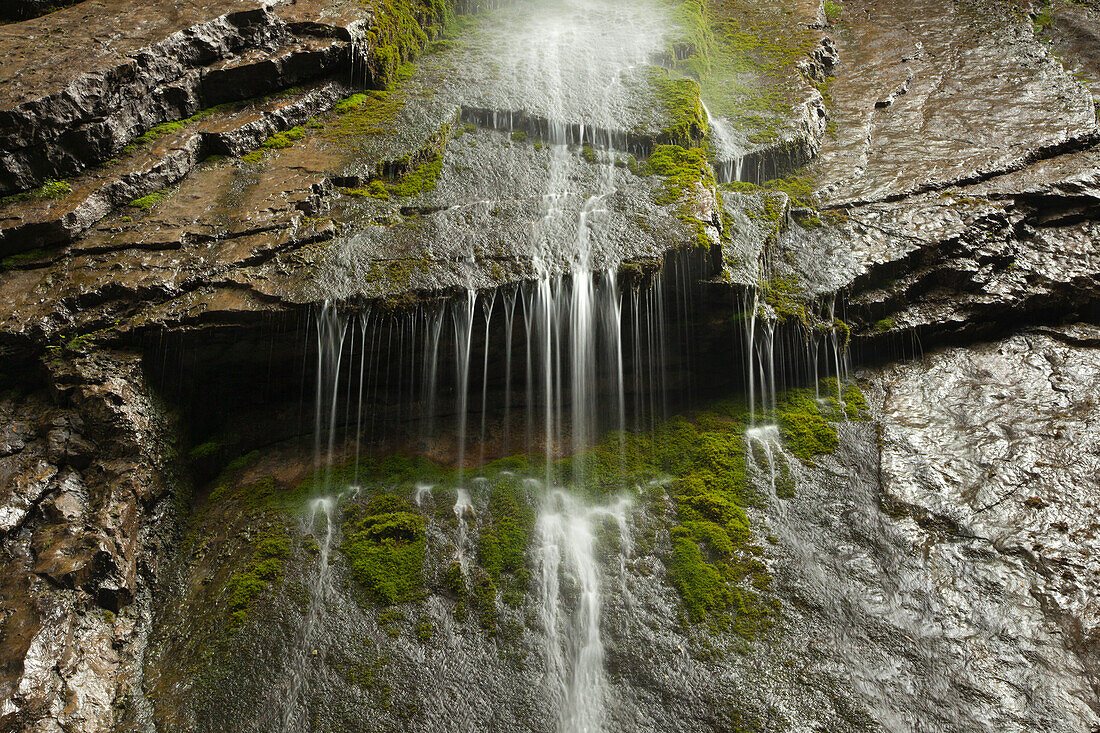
[947, 555]
[912, 81]
[80, 474]
[989, 452]
[60, 110]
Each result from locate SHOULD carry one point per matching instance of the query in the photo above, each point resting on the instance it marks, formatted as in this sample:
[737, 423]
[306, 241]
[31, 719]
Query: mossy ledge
[694, 479]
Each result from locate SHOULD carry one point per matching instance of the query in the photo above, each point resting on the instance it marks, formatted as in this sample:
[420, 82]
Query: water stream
[571, 582]
[319, 523]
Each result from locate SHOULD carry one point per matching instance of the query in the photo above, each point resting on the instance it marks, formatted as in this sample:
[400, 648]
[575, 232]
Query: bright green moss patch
[502, 546]
[855, 404]
[366, 114]
[281, 140]
[421, 180]
[680, 101]
[166, 128]
[384, 544]
[275, 141]
[681, 170]
[787, 298]
[51, 189]
[833, 11]
[702, 588]
[264, 569]
[745, 54]
[485, 601]
[712, 563]
[884, 325]
[803, 426]
[400, 30]
[373, 189]
[799, 187]
[174, 126]
[147, 202]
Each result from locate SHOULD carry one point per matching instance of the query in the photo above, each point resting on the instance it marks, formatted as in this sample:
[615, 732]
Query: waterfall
[321, 589]
[463, 509]
[566, 553]
[600, 344]
[463, 317]
[728, 153]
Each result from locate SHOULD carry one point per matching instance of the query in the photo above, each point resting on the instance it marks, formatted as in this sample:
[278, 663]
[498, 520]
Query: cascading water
[567, 558]
[729, 155]
[320, 510]
[463, 509]
[595, 351]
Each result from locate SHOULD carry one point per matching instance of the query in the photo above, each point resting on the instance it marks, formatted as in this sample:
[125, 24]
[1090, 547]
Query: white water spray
[570, 594]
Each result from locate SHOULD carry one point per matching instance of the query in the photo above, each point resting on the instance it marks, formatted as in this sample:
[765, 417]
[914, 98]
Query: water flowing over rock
[573, 366]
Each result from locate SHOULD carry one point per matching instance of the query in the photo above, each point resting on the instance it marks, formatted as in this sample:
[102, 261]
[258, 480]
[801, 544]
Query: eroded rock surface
[84, 470]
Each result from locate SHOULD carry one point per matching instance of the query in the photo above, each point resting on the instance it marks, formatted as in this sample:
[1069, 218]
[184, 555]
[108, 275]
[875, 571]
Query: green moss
[205, 450]
[282, 140]
[745, 55]
[702, 588]
[390, 622]
[741, 187]
[275, 141]
[769, 215]
[264, 569]
[420, 180]
[519, 136]
[808, 220]
[174, 126]
[399, 32]
[833, 11]
[353, 103]
[804, 429]
[884, 325]
[22, 258]
[784, 479]
[485, 602]
[680, 101]
[502, 545]
[855, 404]
[425, 629]
[242, 460]
[799, 187]
[787, 298]
[51, 189]
[681, 170]
[384, 544]
[589, 154]
[147, 202]
[396, 274]
[1043, 20]
[166, 128]
[373, 189]
[843, 333]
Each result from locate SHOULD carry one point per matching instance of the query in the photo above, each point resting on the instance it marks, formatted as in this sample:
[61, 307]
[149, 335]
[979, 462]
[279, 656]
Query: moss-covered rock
[384, 545]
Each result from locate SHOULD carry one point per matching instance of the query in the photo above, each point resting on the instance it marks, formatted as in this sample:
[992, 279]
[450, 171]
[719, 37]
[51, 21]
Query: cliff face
[840, 261]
